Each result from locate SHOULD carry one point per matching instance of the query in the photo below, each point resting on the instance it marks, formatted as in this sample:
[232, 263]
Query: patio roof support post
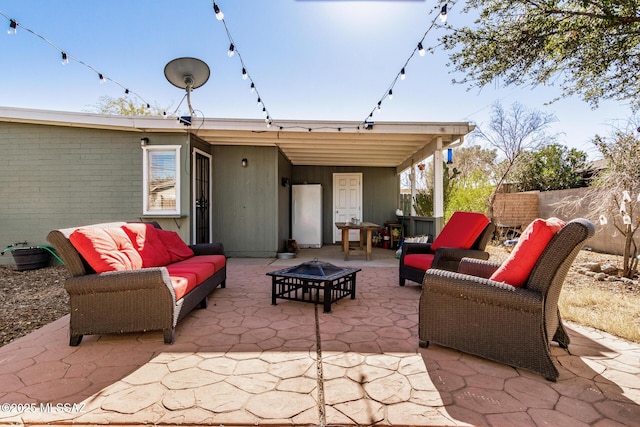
[438, 187]
[412, 178]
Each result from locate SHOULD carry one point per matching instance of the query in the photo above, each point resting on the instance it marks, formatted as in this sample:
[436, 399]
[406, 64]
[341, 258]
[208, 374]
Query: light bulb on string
[245, 76]
[232, 50]
[218, 12]
[379, 107]
[13, 27]
[259, 101]
[102, 79]
[65, 58]
[421, 50]
[264, 112]
[402, 74]
[253, 87]
[443, 14]
[126, 91]
[390, 96]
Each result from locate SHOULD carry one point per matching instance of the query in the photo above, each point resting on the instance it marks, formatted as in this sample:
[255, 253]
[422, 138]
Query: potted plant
[29, 257]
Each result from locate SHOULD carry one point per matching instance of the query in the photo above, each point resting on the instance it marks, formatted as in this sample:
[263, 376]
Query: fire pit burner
[313, 281]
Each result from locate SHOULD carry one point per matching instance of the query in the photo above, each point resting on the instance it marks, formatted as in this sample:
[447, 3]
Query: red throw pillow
[516, 269]
[146, 241]
[178, 250]
[106, 249]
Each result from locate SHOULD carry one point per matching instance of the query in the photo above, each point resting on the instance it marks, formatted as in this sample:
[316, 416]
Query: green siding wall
[380, 192]
[284, 202]
[245, 200]
[56, 177]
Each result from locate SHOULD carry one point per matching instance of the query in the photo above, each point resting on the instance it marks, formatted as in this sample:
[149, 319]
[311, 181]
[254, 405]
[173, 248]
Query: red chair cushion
[421, 261]
[106, 249]
[178, 250]
[146, 241]
[461, 231]
[516, 269]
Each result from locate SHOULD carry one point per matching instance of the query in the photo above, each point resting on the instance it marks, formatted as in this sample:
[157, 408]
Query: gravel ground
[31, 299]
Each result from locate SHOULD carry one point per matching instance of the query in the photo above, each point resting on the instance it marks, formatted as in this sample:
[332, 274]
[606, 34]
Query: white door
[347, 202]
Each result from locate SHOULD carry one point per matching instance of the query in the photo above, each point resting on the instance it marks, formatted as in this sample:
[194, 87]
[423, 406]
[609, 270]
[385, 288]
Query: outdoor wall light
[144, 141]
[245, 163]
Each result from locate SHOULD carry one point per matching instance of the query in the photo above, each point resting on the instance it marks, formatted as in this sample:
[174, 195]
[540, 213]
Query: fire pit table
[314, 281]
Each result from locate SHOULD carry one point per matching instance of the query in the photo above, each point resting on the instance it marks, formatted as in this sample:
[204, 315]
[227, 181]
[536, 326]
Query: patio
[243, 361]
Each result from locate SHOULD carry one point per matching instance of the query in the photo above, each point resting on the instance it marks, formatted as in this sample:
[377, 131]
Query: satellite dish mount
[188, 74]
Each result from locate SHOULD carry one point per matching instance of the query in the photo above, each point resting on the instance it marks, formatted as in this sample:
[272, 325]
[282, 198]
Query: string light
[13, 25]
[443, 14]
[402, 74]
[216, 10]
[245, 74]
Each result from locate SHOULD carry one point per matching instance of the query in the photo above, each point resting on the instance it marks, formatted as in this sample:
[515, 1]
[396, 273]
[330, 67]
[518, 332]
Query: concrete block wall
[522, 208]
[515, 209]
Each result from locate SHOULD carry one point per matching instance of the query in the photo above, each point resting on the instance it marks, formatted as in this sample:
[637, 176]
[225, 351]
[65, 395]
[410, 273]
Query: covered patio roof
[321, 143]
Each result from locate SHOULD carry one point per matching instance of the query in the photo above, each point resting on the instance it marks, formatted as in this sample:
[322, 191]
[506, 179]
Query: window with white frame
[161, 180]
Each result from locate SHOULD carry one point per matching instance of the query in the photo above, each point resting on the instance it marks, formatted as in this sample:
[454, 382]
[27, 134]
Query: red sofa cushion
[516, 269]
[202, 271]
[106, 249]
[178, 250]
[461, 231]
[146, 241]
[182, 283]
[218, 260]
[421, 261]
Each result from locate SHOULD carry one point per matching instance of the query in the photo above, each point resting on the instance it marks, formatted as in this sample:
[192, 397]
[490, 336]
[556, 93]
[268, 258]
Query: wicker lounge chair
[474, 228]
[468, 312]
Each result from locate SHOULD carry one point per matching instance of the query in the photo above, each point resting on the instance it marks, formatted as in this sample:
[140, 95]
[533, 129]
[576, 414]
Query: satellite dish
[187, 73]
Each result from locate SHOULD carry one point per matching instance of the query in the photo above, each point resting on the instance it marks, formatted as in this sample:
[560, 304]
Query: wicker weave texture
[127, 301]
[473, 314]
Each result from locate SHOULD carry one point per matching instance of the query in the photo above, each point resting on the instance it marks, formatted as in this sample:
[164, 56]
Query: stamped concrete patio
[243, 361]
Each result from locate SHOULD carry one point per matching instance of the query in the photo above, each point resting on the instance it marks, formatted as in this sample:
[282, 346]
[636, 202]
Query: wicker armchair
[468, 312]
[448, 257]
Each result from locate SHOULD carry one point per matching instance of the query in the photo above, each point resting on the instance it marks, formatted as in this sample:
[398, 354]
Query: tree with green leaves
[589, 48]
[613, 197]
[125, 106]
[512, 133]
[471, 189]
[552, 167]
[423, 203]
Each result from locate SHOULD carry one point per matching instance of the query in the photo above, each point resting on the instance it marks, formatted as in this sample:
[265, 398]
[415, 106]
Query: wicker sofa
[138, 299]
[513, 325]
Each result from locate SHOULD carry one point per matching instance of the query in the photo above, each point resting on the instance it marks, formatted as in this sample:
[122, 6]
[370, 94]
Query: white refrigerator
[306, 215]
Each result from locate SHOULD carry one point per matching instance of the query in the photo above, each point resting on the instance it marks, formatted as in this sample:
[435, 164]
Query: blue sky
[310, 60]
